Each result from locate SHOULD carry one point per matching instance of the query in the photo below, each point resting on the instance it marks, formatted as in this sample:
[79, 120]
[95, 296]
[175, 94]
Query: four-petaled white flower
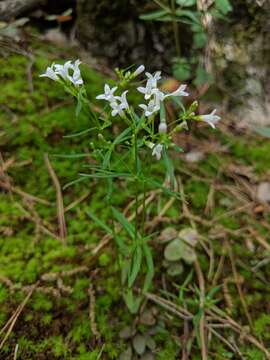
[147, 90]
[153, 79]
[50, 73]
[123, 100]
[119, 104]
[151, 85]
[157, 150]
[211, 119]
[108, 93]
[154, 95]
[150, 108]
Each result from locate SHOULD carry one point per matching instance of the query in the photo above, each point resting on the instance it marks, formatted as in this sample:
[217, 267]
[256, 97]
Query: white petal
[141, 89]
[101, 97]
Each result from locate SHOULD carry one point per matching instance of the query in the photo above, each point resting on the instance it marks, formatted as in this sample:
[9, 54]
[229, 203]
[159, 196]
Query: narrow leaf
[124, 222]
[99, 222]
[135, 266]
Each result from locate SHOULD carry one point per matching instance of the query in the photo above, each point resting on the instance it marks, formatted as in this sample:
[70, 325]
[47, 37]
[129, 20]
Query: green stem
[144, 210]
[136, 185]
[175, 30]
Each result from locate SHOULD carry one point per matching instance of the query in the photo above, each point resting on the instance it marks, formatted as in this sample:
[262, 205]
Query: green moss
[197, 192]
[262, 326]
[59, 328]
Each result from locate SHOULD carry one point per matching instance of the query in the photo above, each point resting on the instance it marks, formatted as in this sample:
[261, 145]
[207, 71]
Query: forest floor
[60, 296]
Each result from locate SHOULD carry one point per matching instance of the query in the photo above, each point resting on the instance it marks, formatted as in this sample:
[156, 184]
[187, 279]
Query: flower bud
[162, 128]
[139, 70]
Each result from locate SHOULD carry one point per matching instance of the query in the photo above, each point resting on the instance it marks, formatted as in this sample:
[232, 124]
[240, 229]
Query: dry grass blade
[92, 302]
[11, 322]
[59, 201]
[236, 280]
[41, 225]
[203, 335]
[225, 319]
[259, 239]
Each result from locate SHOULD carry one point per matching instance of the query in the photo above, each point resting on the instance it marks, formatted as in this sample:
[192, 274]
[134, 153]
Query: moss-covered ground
[64, 302]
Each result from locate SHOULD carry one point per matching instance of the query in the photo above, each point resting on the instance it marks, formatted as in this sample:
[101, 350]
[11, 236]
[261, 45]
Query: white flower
[68, 72]
[63, 70]
[76, 77]
[151, 108]
[108, 93]
[210, 119]
[50, 73]
[151, 85]
[153, 79]
[123, 100]
[116, 109]
[119, 104]
[162, 128]
[157, 150]
[159, 96]
[147, 90]
[139, 70]
[179, 92]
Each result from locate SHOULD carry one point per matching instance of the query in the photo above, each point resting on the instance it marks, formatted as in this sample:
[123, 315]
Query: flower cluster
[154, 95]
[70, 73]
[67, 72]
[117, 103]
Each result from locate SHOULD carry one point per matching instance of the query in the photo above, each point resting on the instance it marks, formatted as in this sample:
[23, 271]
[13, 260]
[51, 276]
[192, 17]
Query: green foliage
[59, 328]
[187, 14]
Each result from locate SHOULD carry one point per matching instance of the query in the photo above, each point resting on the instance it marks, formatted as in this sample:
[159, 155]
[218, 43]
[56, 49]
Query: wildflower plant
[145, 137]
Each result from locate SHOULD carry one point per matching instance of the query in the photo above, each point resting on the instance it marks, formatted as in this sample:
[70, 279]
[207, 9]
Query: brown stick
[236, 280]
[59, 201]
[15, 316]
[202, 319]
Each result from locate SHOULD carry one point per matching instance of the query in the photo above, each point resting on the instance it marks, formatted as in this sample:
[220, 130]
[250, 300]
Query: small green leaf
[264, 131]
[136, 263]
[175, 269]
[139, 344]
[132, 302]
[200, 40]
[192, 15]
[150, 267]
[186, 2]
[182, 70]
[155, 15]
[223, 6]
[174, 250]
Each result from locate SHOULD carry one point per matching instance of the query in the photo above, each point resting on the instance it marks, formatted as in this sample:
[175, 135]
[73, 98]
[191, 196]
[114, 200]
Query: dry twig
[59, 201]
